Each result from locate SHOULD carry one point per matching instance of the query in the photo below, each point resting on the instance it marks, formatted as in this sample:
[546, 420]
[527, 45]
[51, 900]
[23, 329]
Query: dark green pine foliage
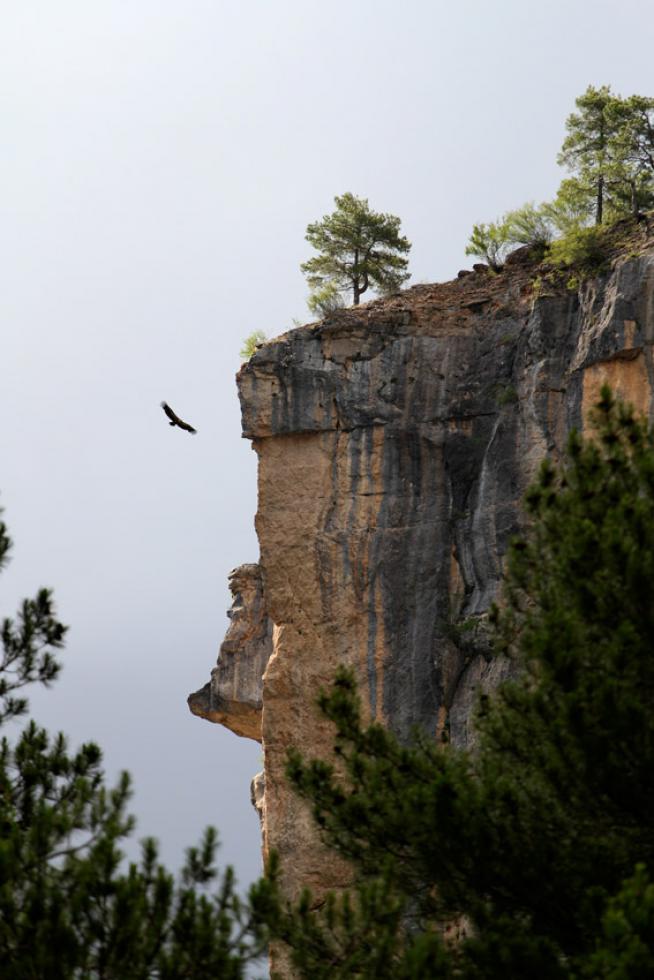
[586, 149]
[358, 249]
[609, 147]
[70, 907]
[539, 847]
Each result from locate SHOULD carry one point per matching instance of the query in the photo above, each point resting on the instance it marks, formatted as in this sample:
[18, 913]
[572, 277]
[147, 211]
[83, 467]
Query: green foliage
[251, 343]
[27, 645]
[507, 396]
[624, 950]
[609, 149]
[632, 120]
[586, 149]
[358, 248]
[531, 843]
[351, 936]
[609, 146]
[325, 300]
[528, 225]
[489, 242]
[69, 907]
[581, 248]
[571, 209]
[27, 655]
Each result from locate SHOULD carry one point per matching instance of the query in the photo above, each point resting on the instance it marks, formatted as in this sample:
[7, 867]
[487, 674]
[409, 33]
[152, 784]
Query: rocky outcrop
[395, 442]
[233, 696]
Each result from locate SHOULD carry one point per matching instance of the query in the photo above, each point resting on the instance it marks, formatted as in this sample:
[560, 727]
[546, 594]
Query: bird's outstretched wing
[175, 419]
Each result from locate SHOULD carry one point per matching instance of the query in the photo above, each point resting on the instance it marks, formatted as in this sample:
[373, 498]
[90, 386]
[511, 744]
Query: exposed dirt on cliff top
[481, 291]
[450, 305]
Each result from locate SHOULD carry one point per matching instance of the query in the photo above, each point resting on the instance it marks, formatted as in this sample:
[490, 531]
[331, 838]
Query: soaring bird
[175, 419]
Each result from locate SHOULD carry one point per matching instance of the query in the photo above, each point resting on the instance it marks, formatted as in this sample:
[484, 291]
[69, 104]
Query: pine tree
[610, 148]
[539, 847]
[70, 907]
[586, 148]
[358, 248]
[632, 123]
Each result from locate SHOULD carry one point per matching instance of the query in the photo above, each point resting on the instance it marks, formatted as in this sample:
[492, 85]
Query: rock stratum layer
[395, 442]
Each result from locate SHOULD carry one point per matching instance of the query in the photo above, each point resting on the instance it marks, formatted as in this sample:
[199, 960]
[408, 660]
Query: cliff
[395, 442]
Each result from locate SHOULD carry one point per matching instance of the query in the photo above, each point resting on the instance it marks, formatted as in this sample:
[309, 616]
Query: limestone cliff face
[395, 442]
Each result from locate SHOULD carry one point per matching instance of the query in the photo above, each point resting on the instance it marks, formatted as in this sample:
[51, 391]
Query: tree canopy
[358, 248]
[537, 850]
[609, 151]
[587, 147]
[609, 147]
[70, 907]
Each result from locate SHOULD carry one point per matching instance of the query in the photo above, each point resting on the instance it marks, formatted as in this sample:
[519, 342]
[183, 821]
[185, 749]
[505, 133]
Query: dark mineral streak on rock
[471, 383]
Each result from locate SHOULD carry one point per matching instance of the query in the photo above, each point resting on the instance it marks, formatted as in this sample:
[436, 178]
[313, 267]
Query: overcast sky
[160, 161]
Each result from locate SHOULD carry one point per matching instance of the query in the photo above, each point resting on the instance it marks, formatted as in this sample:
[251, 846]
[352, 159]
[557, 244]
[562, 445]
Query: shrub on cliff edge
[250, 344]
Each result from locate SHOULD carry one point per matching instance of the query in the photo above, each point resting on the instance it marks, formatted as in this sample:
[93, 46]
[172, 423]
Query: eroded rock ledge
[234, 695]
[395, 442]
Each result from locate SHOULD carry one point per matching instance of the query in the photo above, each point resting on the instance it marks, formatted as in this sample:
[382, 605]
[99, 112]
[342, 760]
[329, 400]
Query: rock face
[395, 442]
[233, 696]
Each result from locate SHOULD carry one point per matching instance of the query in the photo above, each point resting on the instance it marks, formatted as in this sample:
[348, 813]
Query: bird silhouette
[175, 419]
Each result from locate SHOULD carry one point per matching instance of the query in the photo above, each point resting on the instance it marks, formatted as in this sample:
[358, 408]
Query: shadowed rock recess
[395, 442]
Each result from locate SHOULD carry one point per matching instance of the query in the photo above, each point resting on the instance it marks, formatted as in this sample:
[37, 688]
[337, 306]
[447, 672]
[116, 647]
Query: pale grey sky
[160, 162]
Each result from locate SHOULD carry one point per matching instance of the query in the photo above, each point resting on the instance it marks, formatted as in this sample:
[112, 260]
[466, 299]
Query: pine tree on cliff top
[359, 248]
[541, 844]
[586, 148]
[69, 908]
[609, 147]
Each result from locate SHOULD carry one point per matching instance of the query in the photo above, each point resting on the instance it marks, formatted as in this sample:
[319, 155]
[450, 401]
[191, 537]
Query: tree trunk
[356, 292]
[599, 210]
